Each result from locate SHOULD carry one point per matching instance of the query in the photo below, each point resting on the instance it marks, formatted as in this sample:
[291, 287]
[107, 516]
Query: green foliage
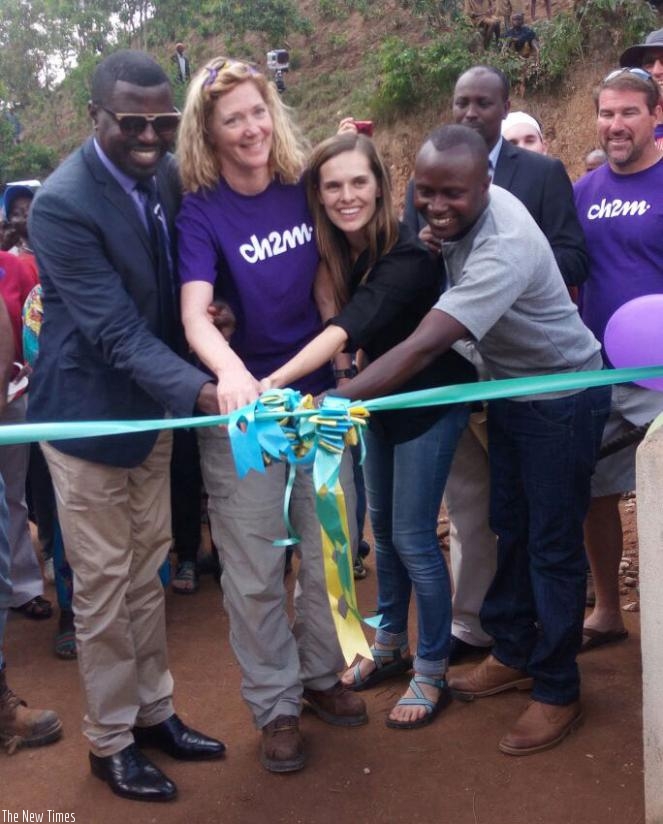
[340, 9]
[338, 42]
[78, 80]
[23, 160]
[630, 20]
[565, 38]
[24, 49]
[562, 43]
[437, 13]
[276, 19]
[412, 77]
[332, 10]
[173, 20]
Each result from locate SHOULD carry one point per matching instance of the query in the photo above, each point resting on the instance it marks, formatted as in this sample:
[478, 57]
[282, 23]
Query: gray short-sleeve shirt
[507, 290]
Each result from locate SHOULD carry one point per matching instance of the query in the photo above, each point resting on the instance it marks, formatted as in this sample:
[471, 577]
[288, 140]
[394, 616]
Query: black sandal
[37, 608]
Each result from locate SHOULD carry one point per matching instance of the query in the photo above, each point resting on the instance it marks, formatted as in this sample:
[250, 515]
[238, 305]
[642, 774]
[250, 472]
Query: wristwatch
[351, 372]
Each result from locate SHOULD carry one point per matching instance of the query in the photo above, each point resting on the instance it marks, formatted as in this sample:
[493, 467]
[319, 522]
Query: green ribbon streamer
[463, 393]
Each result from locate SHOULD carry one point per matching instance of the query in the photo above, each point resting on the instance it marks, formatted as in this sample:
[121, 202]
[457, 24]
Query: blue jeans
[5, 562]
[542, 455]
[404, 487]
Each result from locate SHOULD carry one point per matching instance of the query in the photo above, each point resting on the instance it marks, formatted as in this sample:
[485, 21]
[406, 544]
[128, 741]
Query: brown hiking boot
[337, 705]
[23, 727]
[541, 727]
[488, 678]
[282, 745]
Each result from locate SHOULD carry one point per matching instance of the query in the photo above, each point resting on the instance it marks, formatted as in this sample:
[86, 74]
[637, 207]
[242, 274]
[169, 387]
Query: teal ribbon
[279, 426]
[463, 393]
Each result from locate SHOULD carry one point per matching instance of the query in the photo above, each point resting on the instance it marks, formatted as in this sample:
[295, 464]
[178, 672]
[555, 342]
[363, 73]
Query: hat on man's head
[521, 118]
[633, 56]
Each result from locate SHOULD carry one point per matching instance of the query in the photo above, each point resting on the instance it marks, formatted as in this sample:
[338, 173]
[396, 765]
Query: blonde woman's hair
[382, 229]
[199, 165]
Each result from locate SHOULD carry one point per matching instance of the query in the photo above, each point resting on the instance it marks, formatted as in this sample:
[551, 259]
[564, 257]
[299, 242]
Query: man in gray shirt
[508, 296]
[481, 102]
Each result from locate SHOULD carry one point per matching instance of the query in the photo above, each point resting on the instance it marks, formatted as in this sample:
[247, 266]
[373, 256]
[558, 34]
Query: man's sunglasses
[643, 74]
[164, 123]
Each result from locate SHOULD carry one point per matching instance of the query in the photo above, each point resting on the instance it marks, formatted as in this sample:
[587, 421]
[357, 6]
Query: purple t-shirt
[622, 217]
[259, 253]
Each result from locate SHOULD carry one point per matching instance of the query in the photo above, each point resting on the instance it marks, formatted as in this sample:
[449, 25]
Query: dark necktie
[156, 228]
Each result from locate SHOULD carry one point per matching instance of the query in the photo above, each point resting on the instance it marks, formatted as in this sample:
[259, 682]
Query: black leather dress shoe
[130, 774]
[179, 741]
[461, 649]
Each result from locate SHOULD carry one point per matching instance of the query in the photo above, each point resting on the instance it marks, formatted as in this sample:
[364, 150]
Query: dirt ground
[450, 772]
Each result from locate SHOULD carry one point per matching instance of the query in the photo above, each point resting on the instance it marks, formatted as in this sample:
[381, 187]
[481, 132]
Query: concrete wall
[650, 534]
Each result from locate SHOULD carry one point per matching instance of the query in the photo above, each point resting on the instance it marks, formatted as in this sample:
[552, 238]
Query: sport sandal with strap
[433, 708]
[389, 663]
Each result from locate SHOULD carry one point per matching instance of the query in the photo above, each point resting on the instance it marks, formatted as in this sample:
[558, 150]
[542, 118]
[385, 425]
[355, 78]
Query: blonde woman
[246, 237]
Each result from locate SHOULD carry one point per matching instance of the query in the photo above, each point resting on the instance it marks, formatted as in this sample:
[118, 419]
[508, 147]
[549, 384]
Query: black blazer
[543, 186]
[187, 68]
[100, 355]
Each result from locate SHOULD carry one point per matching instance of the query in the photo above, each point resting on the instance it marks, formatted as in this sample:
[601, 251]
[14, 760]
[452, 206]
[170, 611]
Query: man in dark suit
[481, 101]
[102, 228]
[181, 63]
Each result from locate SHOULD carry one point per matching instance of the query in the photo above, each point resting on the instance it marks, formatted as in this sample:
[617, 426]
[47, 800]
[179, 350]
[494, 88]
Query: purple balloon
[634, 336]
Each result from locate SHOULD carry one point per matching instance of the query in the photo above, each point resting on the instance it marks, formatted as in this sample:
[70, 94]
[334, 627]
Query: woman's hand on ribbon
[237, 388]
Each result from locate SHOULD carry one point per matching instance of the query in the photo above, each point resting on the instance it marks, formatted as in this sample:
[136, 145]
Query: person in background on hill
[521, 38]
[386, 282]
[245, 236]
[102, 227]
[181, 62]
[507, 294]
[524, 131]
[594, 159]
[481, 101]
[649, 56]
[481, 13]
[19, 725]
[625, 246]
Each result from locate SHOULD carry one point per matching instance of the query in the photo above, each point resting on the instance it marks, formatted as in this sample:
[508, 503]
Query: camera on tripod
[278, 62]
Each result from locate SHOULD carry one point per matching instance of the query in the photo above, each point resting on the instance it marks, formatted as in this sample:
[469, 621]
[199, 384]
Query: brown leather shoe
[337, 705]
[21, 726]
[282, 745]
[489, 678]
[541, 727]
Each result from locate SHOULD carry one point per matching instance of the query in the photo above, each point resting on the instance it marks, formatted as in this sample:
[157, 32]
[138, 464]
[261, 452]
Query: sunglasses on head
[218, 66]
[643, 74]
[164, 123]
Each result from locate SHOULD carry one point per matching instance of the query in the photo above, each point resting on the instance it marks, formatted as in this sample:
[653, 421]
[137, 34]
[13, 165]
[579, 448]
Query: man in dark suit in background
[181, 63]
[102, 227]
[481, 101]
